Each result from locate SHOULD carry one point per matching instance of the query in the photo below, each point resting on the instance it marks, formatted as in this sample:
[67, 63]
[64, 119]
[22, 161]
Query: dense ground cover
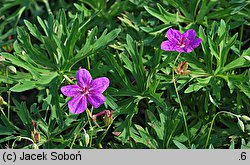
[124, 74]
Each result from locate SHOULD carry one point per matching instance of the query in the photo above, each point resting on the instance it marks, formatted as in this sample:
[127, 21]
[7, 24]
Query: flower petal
[99, 85]
[181, 50]
[196, 42]
[173, 35]
[186, 49]
[70, 90]
[190, 34]
[77, 104]
[168, 46]
[96, 99]
[83, 78]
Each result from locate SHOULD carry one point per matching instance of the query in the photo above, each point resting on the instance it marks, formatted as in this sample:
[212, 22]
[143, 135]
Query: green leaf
[195, 63]
[238, 63]
[18, 62]
[32, 53]
[119, 72]
[211, 146]
[193, 88]
[232, 145]
[9, 124]
[245, 89]
[105, 39]
[156, 125]
[41, 22]
[244, 145]
[23, 114]
[157, 14]
[124, 128]
[213, 48]
[144, 137]
[226, 48]
[7, 138]
[179, 5]
[246, 52]
[55, 107]
[110, 101]
[72, 38]
[164, 15]
[213, 101]
[33, 30]
[46, 78]
[6, 130]
[179, 145]
[138, 70]
[24, 86]
[241, 125]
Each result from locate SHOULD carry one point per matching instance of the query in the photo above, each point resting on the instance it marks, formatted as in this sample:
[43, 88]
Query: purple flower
[185, 42]
[86, 90]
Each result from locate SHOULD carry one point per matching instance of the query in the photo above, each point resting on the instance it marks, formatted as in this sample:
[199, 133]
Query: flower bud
[86, 138]
[241, 124]
[2, 102]
[182, 69]
[11, 69]
[8, 48]
[245, 118]
[35, 134]
[108, 118]
[2, 58]
[23, 52]
[116, 133]
[93, 118]
[18, 138]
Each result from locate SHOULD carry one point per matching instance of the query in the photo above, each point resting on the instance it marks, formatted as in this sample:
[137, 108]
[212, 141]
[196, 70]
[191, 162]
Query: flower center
[84, 91]
[182, 42]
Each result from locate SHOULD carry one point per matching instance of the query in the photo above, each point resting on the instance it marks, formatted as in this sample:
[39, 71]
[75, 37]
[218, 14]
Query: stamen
[182, 46]
[84, 91]
[182, 43]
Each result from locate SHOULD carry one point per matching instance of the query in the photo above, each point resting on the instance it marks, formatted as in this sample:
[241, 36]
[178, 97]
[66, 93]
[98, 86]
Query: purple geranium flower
[185, 42]
[86, 90]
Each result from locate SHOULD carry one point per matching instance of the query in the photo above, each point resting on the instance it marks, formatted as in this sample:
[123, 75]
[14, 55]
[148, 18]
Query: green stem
[73, 141]
[104, 134]
[170, 136]
[26, 138]
[76, 134]
[179, 100]
[88, 63]
[89, 116]
[8, 93]
[2, 111]
[47, 6]
[68, 79]
[176, 59]
[212, 123]
[241, 36]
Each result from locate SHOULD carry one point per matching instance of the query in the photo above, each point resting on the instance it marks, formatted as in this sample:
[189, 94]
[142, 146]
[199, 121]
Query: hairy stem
[179, 100]
[212, 123]
[241, 36]
[68, 79]
[47, 6]
[3, 112]
[89, 115]
[26, 138]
